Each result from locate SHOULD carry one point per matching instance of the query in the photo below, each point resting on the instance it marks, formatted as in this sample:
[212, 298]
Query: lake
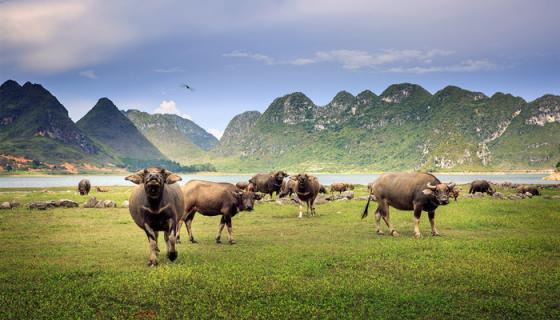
[326, 179]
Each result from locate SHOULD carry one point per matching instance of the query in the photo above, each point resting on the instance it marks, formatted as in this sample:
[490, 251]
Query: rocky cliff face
[33, 123]
[405, 127]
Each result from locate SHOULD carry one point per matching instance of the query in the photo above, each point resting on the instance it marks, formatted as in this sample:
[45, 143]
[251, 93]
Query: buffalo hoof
[218, 241]
[152, 263]
[418, 235]
[380, 233]
[436, 234]
[178, 241]
[232, 242]
[172, 255]
[394, 233]
[193, 241]
[157, 249]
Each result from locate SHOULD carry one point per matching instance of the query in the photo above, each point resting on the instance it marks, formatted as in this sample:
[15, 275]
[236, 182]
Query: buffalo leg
[300, 210]
[417, 215]
[431, 216]
[312, 207]
[229, 229]
[220, 229]
[385, 215]
[152, 239]
[378, 221]
[188, 223]
[171, 239]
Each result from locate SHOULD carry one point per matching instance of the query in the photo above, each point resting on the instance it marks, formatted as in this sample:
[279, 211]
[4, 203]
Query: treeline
[137, 164]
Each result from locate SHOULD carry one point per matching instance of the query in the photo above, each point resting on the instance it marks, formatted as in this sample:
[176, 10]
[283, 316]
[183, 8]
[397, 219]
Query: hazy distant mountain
[35, 125]
[105, 124]
[404, 128]
[177, 138]
[236, 131]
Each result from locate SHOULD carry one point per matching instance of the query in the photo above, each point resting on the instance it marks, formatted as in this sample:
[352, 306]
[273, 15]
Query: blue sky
[240, 55]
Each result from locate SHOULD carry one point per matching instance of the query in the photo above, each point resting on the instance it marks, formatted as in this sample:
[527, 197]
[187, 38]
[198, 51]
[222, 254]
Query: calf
[214, 199]
[154, 205]
[408, 191]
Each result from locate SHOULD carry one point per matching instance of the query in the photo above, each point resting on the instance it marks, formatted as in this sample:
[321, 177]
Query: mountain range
[404, 128]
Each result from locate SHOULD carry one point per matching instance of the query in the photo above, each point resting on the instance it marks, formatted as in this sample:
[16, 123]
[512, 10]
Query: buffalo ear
[237, 194]
[170, 177]
[427, 192]
[137, 177]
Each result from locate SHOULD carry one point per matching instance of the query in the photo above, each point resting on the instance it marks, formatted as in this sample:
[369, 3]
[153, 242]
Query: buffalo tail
[365, 214]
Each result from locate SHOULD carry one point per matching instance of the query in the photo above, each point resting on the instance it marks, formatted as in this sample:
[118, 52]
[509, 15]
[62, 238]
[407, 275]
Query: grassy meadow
[495, 259]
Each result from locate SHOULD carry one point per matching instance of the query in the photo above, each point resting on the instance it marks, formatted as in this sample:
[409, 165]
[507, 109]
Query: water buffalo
[84, 186]
[532, 190]
[322, 189]
[288, 187]
[481, 186]
[306, 188]
[154, 204]
[455, 192]
[214, 199]
[408, 191]
[268, 183]
[341, 187]
[102, 189]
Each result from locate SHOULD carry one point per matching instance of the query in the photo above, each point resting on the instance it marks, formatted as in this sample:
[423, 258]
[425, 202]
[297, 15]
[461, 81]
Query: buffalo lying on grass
[532, 190]
[214, 199]
[155, 204]
[408, 191]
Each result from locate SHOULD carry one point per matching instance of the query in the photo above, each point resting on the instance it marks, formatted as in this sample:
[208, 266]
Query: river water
[326, 179]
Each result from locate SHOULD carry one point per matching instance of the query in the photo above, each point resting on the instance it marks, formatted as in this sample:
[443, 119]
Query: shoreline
[210, 174]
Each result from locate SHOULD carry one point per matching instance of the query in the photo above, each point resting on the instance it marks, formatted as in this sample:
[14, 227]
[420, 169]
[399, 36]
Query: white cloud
[90, 74]
[255, 56]
[170, 107]
[463, 66]
[389, 60]
[216, 133]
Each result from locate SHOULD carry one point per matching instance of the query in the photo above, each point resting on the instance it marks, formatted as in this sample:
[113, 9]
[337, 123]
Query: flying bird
[186, 86]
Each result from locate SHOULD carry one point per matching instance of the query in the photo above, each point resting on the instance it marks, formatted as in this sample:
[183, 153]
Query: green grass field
[495, 259]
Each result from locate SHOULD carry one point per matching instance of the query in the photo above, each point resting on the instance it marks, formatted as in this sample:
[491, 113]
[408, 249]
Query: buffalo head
[439, 191]
[245, 199]
[154, 180]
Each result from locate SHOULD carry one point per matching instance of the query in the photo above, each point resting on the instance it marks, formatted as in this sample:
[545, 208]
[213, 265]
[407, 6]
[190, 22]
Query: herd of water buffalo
[158, 203]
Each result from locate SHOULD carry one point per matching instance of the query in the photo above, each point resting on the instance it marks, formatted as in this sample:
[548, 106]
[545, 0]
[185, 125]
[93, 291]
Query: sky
[241, 55]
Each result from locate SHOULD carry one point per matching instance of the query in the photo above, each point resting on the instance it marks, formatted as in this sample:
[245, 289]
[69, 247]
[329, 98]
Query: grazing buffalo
[455, 192]
[84, 186]
[307, 190]
[268, 183]
[408, 191]
[532, 190]
[481, 186]
[341, 187]
[214, 199]
[322, 189]
[154, 205]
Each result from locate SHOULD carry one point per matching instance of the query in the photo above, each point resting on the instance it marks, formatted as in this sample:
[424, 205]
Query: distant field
[495, 259]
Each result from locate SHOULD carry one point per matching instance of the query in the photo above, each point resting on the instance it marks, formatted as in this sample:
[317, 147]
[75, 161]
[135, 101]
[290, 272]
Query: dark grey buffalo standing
[306, 188]
[214, 199]
[154, 205]
[84, 186]
[481, 186]
[408, 191]
[268, 183]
